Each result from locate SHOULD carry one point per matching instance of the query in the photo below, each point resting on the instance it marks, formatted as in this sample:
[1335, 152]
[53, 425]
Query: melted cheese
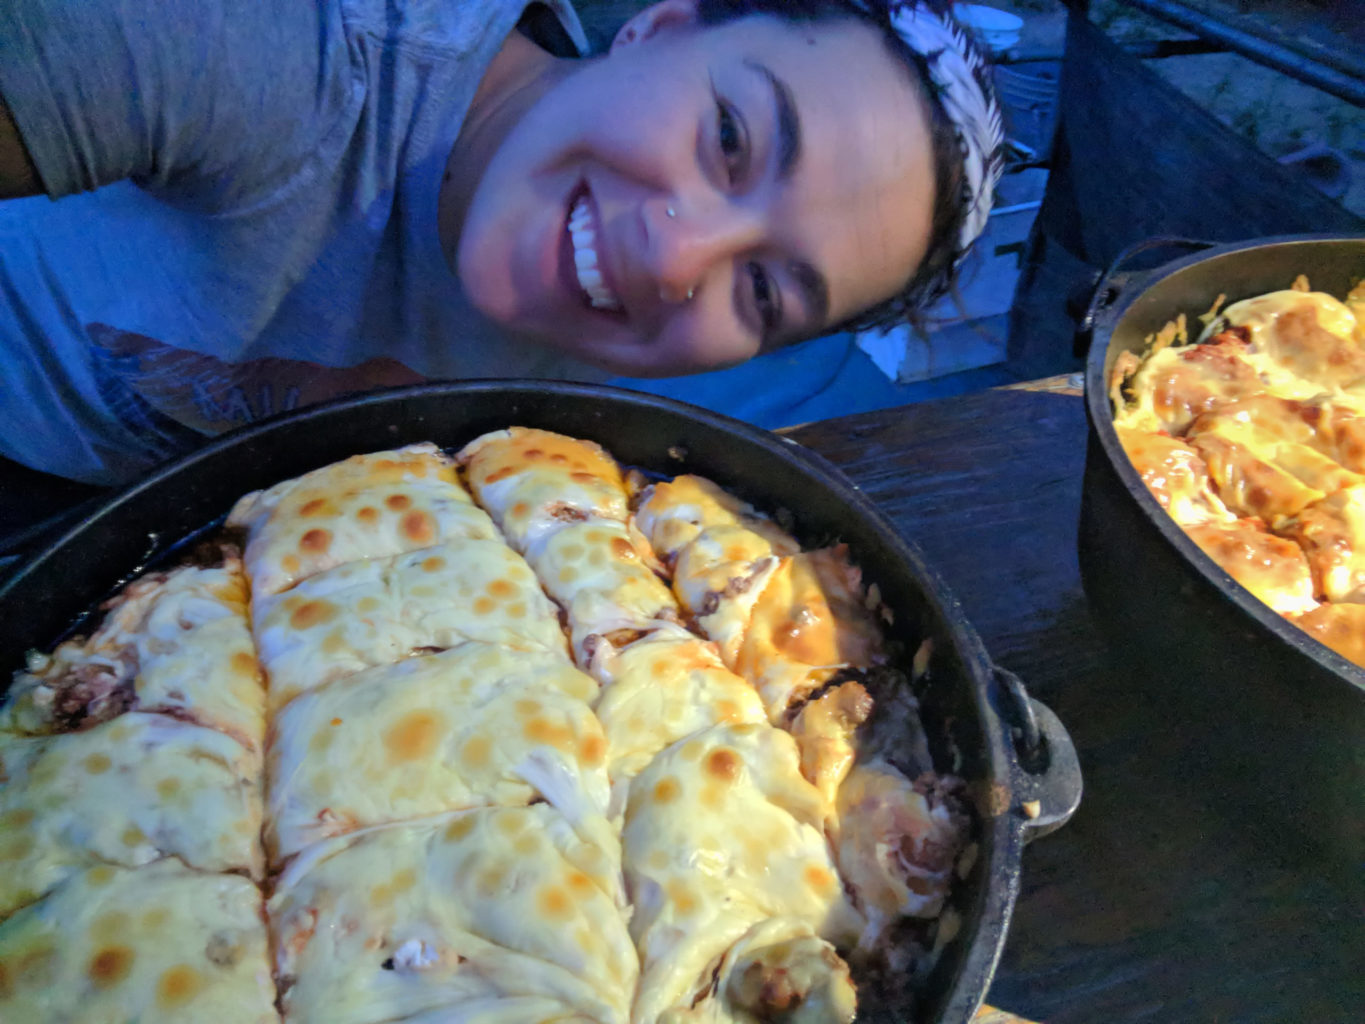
[1272, 568]
[722, 833]
[674, 513]
[1339, 626]
[472, 726]
[664, 687]
[719, 577]
[595, 573]
[179, 640]
[778, 971]
[809, 623]
[826, 733]
[128, 792]
[1175, 385]
[1309, 334]
[503, 902]
[367, 506]
[1176, 475]
[379, 611]
[1272, 399]
[533, 482]
[157, 945]
[1331, 533]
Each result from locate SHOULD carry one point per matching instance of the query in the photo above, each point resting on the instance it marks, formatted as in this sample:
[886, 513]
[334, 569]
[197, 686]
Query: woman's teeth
[584, 236]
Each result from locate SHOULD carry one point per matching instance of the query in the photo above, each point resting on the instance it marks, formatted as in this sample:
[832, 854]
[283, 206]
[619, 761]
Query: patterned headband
[963, 88]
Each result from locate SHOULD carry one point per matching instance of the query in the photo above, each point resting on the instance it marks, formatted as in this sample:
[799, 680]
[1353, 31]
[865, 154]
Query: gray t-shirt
[283, 160]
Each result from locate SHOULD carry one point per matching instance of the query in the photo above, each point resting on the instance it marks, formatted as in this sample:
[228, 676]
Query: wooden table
[1145, 907]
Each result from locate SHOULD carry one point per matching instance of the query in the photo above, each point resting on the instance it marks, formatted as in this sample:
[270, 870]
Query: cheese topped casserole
[508, 736]
[1253, 439]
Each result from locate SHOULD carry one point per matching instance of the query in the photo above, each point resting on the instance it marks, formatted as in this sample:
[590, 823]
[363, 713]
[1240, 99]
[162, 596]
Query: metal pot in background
[1274, 717]
[1012, 750]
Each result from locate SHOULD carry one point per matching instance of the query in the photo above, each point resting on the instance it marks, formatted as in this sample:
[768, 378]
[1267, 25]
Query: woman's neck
[517, 77]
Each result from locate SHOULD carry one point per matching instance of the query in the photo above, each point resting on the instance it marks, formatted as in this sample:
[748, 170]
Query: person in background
[261, 206]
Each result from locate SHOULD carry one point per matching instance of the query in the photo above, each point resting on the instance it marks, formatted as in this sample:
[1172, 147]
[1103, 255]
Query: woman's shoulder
[440, 25]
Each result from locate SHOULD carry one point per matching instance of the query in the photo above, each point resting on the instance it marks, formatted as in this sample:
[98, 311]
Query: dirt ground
[1273, 111]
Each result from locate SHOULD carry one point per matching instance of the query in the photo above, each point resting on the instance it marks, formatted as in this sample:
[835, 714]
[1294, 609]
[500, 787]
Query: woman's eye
[730, 137]
[765, 297]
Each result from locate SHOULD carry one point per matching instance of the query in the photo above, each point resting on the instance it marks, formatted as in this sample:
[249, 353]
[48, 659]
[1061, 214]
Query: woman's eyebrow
[788, 121]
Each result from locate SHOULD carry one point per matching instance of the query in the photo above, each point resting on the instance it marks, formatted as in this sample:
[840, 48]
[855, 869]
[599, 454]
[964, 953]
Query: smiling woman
[716, 185]
[315, 198]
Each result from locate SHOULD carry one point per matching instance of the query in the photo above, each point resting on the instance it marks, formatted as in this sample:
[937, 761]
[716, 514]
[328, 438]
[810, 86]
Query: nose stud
[670, 211]
[665, 297]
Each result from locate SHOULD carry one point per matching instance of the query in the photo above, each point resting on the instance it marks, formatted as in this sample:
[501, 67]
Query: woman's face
[780, 175]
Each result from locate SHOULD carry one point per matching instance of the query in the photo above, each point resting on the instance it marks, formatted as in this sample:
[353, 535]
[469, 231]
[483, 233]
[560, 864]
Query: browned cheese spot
[818, 878]
[682, 900]
[312, 613]
[414, 736]
[244, 663]
[290, 563]
[519, 510]
[398, 502]
[178, 985]
[592, 750]
[98, 764]
[555, 902]
[579, 882]
[501, 588]
[459, 828]
[483, 605]
[723, 763]
[666, 790]
[419, 527]
[434, 563]
[367, 514]
[110, 966]
[622, 548]
[538, 730]
[499, 474]
[314, 507]
[315, 542]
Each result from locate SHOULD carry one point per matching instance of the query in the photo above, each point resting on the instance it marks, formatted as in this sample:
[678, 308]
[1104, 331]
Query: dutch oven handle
[1106, 288]
[1045, 773]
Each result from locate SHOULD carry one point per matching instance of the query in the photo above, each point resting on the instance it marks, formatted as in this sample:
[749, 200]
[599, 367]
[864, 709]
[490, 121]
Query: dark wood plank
[1151, 905]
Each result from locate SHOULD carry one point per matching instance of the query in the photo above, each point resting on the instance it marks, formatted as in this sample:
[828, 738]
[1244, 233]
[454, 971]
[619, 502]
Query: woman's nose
[691, 237]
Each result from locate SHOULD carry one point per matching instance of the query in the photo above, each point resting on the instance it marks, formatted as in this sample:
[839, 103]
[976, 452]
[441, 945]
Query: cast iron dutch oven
[1010, 748]
[1274, 719]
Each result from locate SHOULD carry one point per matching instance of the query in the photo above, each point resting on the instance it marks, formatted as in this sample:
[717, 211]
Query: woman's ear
[657, 16]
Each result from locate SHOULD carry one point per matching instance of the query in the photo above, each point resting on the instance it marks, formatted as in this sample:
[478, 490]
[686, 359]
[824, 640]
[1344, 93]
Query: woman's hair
[937, 272]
